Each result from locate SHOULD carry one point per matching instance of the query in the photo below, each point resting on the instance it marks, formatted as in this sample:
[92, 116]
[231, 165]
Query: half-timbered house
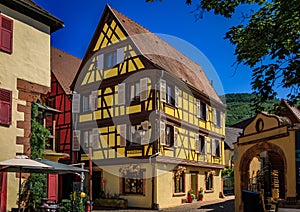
[146, 118]
[59, 146]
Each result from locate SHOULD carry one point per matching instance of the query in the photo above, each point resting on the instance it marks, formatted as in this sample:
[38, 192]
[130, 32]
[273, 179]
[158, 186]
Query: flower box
[114, 203]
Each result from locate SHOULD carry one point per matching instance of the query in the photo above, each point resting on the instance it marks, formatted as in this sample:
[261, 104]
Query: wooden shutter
[221, 119]
[198, 108]
[197, 143]
[176, 96]
[215, 115]
[213, 148]
[53, 187]
[5, 107]
[207, 112]
[162, 130]
[120, 55]
[163, 90]
[95, 138]
[122, 135]
[93, 100]
[100, 62]
[143, 89]
[121, 94]
[76, 103]
[76, 140]
[176, 134]
[220, 148]
[145, 137]
[205, 146]
[6, 34]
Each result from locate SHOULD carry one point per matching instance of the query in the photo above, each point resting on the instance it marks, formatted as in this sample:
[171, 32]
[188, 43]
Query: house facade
[146, 119]
[266, 156]
[25, 30]
[59, 146]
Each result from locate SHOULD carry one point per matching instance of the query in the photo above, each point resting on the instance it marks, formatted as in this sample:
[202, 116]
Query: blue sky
[169, 18]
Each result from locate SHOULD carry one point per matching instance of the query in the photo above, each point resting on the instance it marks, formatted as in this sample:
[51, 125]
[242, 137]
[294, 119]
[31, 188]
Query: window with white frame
[216, 148]
[209, 180]
[202, 145]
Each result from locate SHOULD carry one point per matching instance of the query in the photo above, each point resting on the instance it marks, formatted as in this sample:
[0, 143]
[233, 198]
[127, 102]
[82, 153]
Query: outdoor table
[49, 208]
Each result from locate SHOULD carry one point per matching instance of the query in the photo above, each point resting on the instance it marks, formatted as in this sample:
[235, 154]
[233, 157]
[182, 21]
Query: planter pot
[190, 199]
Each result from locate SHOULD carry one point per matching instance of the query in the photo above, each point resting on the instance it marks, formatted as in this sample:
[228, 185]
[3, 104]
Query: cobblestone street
[219, 205]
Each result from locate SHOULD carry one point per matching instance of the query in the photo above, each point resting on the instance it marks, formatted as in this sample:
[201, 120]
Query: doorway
[194, 183]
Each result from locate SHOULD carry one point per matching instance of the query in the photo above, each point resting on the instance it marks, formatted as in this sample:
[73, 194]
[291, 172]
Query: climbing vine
[33, 189]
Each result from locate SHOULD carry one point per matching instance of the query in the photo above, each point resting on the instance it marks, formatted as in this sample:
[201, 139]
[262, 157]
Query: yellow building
[267, 156]
[25, 30]
[147, 117]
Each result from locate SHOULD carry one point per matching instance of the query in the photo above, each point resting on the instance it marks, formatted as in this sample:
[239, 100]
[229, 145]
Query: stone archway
[252, 152]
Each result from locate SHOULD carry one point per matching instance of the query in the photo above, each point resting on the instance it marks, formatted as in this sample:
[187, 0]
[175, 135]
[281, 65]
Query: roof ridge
[115, 11]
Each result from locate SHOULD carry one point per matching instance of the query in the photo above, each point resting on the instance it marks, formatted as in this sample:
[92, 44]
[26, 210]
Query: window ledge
[209, 191]
[169, 148]
[179, 194]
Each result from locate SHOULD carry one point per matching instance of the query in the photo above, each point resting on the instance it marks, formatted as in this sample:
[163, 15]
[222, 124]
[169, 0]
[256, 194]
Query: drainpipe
[154, 205]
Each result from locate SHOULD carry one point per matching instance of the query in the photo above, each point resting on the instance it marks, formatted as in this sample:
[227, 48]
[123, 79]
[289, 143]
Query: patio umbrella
[59, 168]
[22, 164]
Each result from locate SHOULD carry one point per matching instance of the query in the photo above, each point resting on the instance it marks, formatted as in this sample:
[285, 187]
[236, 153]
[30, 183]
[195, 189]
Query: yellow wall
[30, 61]
[164, 185]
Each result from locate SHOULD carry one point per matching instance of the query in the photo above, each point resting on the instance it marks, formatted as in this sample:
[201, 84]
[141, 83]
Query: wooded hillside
[239, 107]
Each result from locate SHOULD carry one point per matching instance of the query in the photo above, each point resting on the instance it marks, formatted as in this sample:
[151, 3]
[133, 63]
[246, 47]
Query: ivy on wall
[34, 188]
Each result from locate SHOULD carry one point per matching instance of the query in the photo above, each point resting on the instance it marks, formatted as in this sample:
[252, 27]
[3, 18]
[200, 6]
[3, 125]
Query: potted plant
[190, 196]
[201, 194]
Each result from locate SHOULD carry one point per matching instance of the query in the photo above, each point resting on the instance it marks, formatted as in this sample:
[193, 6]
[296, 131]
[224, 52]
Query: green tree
[267, 40]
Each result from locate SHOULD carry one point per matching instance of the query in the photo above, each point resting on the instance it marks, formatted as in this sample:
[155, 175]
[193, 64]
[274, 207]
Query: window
[90, 101]
[86, 139]
[134, 92]
[110, 60]
[209, 181]
[76, 140]
[169, 135]
[179, 180]
[5, 107]
[217, 117]
[216, 148]
[132, 180]
[139, 134]
[6, 34]
[91, 138]
[50, 101]
[202, 145]
[170, 95]
[203, 111]
[85, 103]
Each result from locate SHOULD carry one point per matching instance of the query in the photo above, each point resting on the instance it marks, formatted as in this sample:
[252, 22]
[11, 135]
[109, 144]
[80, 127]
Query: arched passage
[277, 159]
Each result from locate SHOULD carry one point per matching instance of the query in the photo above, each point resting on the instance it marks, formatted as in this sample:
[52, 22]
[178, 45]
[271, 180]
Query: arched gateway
[265, 159]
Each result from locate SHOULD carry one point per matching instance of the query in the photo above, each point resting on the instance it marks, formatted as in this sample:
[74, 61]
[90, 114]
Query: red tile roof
[167, 57]
[64, 67]
[33, 10]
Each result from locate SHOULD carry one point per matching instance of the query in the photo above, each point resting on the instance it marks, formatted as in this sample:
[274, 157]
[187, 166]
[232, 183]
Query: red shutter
[5, 106]
[6, 34]
[52, 187]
